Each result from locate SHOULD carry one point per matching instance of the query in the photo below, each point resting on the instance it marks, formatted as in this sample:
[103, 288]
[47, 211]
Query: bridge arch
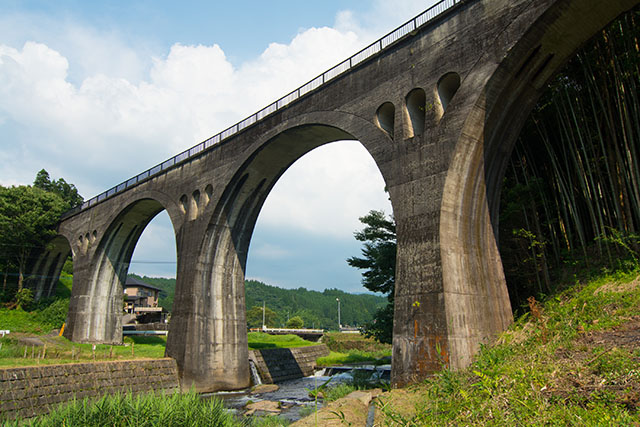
[96, 307]
[212, 355]
[48, 266]
[474, 282]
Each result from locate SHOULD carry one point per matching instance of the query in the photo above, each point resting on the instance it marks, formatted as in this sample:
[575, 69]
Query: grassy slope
[27, 349]
[260, 340]
[352, 348]
[574, 360]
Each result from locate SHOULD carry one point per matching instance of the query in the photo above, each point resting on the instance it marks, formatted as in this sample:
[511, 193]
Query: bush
[23, 298]
[295, 322]
[55, 314]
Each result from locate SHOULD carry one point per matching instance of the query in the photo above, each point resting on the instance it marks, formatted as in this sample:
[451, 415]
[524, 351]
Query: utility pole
[263, 309]
[339, 324]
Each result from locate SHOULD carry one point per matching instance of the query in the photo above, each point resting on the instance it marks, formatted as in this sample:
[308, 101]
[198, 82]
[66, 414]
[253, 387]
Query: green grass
[42, 316]
[22, 321]
[353, 348]
[560, 366]
[338, 392]
[177, 409]
[16, 351]
[260, 340]
[60, 350]
[354, 356]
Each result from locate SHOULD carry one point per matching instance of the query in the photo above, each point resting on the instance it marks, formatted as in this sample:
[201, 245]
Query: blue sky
[97, 91]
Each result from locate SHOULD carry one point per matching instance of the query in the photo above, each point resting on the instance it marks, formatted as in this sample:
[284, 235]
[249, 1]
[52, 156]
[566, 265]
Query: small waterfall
[320, 373]
[255, 375]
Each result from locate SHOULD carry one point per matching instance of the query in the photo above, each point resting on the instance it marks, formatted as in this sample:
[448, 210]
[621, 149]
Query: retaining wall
[30, 391]
[280, 364]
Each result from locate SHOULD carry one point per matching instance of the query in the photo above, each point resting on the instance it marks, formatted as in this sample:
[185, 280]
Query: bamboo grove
[571, 193]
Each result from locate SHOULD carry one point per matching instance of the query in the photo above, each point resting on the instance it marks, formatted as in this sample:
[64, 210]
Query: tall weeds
[139, 410]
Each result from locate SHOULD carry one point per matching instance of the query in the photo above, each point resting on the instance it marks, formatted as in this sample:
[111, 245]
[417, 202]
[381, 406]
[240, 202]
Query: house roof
[133, 282]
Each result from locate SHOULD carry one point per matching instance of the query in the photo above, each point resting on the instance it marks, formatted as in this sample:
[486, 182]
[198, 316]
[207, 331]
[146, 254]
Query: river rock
[264, 388]
[264, 406]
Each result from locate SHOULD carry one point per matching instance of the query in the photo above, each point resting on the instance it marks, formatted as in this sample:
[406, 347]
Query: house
[141, 302]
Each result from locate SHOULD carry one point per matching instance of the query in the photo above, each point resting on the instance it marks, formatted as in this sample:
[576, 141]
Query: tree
[68, 192]
[28, 216]
[254, 317]
[295, 322]
[379, 265]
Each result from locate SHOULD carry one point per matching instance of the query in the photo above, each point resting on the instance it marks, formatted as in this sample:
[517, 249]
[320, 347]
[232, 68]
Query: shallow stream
[293, 395]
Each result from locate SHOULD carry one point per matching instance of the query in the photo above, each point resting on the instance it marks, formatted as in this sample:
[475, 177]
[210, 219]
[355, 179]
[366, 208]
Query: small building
[141, 302]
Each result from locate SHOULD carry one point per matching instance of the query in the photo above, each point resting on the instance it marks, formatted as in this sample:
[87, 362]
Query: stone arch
[214, 293]
[95, 313]
[473, 278]
[49, 265]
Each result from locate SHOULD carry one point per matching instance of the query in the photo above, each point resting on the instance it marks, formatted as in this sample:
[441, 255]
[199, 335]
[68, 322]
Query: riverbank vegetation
[25, 349]
[179, 409]
[347, 348]
[573, 359]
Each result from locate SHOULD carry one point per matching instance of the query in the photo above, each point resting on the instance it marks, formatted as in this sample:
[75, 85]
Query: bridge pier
[95, 310]
[208, 330]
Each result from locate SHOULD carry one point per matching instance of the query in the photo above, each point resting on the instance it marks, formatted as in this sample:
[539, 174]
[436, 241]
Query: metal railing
[366, 53]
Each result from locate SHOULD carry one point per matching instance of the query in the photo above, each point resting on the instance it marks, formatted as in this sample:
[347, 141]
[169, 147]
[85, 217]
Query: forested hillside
[317, 309]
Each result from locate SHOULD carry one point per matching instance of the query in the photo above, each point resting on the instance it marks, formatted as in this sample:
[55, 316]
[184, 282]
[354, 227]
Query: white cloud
[91, 51]
[326, 191]
[105, 123]
[96, 109]
[383, 17]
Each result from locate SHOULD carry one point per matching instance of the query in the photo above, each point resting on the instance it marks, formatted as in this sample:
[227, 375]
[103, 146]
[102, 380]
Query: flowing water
[294, 395]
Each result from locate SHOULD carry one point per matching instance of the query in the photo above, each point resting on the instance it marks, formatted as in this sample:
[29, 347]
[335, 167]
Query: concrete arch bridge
[437, 103]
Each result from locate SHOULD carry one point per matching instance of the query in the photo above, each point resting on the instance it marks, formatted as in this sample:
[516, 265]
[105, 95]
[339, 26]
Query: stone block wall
[30, 391]
[280, 364]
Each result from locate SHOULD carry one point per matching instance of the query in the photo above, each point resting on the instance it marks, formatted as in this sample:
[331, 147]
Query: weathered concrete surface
[442, 169]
